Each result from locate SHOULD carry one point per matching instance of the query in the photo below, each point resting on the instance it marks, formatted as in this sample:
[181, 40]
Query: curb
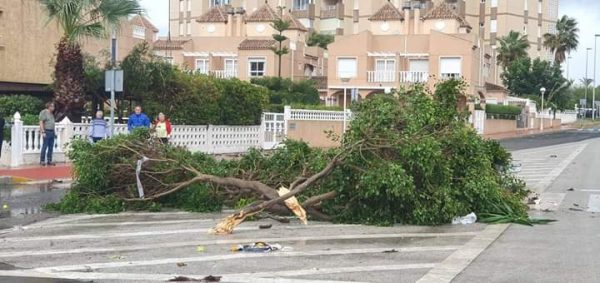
[11, 180]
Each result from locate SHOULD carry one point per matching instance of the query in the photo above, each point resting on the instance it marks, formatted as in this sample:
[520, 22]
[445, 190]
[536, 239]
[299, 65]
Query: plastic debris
[258, 247]
[515, 168]
[265, 226]
[553, 156]
[571, 189]
[207, 279]
[465, 220]
[181, 264]
[200, 249]
[390, 251]
[117, 257]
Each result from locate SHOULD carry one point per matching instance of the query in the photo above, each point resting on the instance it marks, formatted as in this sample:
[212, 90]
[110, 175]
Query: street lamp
[543, 91]
[345, 80]
[594, 82]
[587, 54]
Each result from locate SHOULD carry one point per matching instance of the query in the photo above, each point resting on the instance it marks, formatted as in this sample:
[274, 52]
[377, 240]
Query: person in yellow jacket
[162, 127]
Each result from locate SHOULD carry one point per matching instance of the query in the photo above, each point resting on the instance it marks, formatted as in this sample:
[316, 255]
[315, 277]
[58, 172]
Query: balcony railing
[381, 76]
[449, 76]
[329, 12]
[413, 77]
[224, 74]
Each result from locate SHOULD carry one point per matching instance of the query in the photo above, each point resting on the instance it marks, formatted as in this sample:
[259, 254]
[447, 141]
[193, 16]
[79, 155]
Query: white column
[16, 155]
[287, 116]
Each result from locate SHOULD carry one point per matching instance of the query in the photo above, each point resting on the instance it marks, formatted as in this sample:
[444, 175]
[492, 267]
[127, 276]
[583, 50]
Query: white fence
[566, 117]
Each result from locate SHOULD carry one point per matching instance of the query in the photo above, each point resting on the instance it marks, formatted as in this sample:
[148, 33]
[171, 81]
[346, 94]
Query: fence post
[66, 135]
[262, 132]
[16, 140]
[210, 147]
[287, 116]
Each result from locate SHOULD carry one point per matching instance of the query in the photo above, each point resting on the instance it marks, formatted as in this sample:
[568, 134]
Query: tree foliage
[565, 40]
[286, 92]
[409, 158]
[280, 25]
[512, 47]
[320, 39]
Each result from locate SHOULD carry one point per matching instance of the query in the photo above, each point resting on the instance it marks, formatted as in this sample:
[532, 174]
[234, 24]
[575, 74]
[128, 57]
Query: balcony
[401, 77]
[381, 76]
[304, 12]
[332, 11]
[224, 74]
[450, 76]
[413, 77]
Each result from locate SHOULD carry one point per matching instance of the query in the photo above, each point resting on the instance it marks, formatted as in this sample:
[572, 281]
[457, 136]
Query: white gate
[274, 129]
[479, 121]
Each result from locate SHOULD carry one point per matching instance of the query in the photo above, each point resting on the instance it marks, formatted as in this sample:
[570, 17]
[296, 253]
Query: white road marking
[590, 191]
[79, 217]
[543, 185]
[594, 203]
[448, 269]
[230, 241]
[107, 265]
[102, 224]
[353, 269]
[150, 233]
[151, 277]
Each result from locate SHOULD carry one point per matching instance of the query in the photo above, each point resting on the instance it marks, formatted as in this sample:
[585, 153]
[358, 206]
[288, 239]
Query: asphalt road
[555, 138]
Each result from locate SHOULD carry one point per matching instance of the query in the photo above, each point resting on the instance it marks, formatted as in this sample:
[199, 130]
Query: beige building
[28, 45]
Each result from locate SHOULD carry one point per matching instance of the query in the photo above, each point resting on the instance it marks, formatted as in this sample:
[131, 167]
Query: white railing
[566, 117]
[273, 128]
[448, 76]
[381, 76]
[225, 74]
[88, 119]
[413, 77]
[316, 115]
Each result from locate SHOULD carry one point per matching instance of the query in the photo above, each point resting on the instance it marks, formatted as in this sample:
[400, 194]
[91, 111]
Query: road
[148, 247]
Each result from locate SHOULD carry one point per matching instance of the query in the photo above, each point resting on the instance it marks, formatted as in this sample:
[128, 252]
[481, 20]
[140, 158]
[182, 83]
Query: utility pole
[594, 85]
[113, 59]
[587, 55]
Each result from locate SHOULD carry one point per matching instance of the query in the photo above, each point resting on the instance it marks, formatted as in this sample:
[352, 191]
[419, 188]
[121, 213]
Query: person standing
[99, 128]
[138, 120]
[47, 129]
[162, 126]
[2, 125]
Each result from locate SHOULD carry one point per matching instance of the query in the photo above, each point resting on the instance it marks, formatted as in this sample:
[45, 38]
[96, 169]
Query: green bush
[503, 109]
[24, 104]
[286, 91]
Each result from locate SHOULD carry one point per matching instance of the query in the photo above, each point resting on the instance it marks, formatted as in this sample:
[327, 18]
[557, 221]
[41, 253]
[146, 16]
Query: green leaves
[565, 40]
[503, 213]
[320, 40]
[512, 47]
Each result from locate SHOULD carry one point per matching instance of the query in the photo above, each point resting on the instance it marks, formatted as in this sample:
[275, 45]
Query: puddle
[23, 200]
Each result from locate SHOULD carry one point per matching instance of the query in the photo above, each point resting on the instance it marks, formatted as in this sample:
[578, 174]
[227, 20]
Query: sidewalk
[527, 132]
[38, 173]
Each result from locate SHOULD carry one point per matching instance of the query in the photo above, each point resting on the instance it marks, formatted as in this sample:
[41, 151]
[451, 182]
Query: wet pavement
[21, 204]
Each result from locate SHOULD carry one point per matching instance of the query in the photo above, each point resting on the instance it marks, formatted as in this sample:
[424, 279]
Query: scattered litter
[181, 264]
[57, 181]
[293, 204]
[547, 210]
[575, 209]
[117, 257]
[576, 204]
[258, 247]
[534, 200]
[265, 226]
[207, 279]
[467, 219]
[390, 251]
[553, 156]
[571, 189]
[200, 249]
[515, 168]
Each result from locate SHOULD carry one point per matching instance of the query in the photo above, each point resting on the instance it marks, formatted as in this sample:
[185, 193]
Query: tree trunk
[69, 91]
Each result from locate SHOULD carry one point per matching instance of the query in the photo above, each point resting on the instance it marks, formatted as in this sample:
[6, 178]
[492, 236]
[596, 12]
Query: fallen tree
[407, 158]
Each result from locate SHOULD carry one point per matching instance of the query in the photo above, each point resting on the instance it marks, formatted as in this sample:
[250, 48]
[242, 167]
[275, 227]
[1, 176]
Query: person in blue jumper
[138, 120]
[98, 128]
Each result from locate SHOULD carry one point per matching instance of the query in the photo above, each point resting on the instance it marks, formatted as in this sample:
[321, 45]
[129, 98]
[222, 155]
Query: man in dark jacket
[138, 120]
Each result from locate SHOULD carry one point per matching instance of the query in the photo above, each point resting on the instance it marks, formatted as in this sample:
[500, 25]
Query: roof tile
[445, 11]
[256, 44]
[263, 14]
[387, 13]
[217, 14]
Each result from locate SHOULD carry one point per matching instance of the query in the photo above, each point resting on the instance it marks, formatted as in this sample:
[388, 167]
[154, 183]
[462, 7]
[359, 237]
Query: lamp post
[568, 61]
[594, 79]
[543, 91]
[587, 55]
[345, 80]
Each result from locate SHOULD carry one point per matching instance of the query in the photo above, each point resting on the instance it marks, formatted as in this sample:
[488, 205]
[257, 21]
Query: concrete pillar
[16, 140]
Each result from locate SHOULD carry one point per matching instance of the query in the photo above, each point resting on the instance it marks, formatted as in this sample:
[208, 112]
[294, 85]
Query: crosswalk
[147, 247]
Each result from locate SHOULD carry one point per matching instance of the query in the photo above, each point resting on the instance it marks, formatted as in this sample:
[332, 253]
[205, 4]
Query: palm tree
[80, 19]
[565, 40]
[586, 81]
[512, 47]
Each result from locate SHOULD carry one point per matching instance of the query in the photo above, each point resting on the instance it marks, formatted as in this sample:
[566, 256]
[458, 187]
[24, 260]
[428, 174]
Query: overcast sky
[587, 13]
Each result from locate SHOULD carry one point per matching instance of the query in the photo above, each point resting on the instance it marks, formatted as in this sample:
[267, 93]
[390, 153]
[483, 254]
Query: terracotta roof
[494, 87]
[445, 11]
[218, 14]
[263, 14]
[295, 24]
[143, 22]
[163, 44]
[256, 44]
[387, 13]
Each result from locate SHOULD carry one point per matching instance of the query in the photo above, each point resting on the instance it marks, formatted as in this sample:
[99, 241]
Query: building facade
[28, 45]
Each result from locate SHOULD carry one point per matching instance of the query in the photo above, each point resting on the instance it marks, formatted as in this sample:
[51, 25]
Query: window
[301, 4]
[347, 67]
[219, 2]
[419, 65]
[189, 28]
[139, 32]
[540, 7]
[169, 60]
[450, 67]
[181, 29]
[256, 67]
[493, 26]
[526, 8]
[181, 5]
[494, 3]
[230, 68]
[385, 70]
[202, 66]
[189, 5]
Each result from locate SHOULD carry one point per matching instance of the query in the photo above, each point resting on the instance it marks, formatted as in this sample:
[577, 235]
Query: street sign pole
[113, 84]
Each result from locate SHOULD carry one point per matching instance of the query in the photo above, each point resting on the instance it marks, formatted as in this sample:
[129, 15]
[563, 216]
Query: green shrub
[24, 104]
[502, 109]
[285, 91]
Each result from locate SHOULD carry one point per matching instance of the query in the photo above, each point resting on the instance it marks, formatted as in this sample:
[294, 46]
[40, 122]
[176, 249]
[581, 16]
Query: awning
[195, 54]
[223, 54]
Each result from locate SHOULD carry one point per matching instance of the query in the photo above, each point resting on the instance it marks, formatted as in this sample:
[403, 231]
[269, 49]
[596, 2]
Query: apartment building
[228, 41]
[28, 45]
